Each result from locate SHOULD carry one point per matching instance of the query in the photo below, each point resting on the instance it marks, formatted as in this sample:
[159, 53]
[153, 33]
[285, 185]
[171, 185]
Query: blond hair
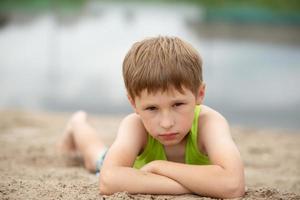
[159, 63]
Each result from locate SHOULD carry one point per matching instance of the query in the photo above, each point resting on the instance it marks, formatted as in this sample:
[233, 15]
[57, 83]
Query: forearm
[134, 181]
[207, 180]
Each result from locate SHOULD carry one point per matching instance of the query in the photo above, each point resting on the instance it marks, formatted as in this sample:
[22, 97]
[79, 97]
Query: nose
[167, 121]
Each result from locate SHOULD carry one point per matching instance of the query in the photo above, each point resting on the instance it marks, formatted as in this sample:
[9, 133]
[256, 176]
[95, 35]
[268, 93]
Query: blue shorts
[100, 160]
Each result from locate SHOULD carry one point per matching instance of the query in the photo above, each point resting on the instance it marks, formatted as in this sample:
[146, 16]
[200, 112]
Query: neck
[176, 152]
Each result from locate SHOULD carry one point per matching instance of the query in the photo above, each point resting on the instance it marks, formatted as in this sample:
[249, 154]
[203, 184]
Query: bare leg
[80, 137]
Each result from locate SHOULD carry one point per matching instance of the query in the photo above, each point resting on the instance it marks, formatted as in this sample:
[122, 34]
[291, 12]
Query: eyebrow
[146, 105]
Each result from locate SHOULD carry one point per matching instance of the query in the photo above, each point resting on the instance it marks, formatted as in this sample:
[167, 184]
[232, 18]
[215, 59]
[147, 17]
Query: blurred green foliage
[275, 5]
[39, 5]
[240, 11]
[248, 11]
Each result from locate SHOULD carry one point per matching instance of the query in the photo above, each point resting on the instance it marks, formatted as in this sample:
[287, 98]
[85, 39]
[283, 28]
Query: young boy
[172, 144]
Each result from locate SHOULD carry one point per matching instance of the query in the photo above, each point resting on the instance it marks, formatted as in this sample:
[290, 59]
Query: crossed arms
[224, 178]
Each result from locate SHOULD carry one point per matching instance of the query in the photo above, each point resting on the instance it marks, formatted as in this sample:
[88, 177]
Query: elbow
[105, 183]
[104, 190]
[234, 188]
[235, 192]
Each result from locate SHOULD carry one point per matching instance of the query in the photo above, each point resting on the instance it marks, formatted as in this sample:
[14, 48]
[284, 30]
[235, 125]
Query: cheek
[187, 122]
[149, 123]
[186, 119]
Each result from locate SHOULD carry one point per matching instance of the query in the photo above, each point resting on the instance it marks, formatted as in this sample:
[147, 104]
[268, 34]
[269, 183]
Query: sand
[30, 167]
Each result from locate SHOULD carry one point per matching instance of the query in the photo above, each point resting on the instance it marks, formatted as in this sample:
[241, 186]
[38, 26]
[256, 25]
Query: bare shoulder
[211, 119]
[211, 126]
[215, 137]
[132, 131]
[129, 142]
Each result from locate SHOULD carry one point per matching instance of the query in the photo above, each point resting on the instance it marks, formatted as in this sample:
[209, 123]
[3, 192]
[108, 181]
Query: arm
[136, 181]
[224, 178]
[117, 173]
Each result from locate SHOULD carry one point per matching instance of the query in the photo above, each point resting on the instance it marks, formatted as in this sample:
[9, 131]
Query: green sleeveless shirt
[154, 150]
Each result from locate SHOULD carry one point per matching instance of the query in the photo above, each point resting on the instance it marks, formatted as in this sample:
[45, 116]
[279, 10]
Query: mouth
[168, 136]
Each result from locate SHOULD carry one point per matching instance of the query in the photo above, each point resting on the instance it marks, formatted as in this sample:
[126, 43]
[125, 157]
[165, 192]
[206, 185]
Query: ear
[201, 94]
[132, 103]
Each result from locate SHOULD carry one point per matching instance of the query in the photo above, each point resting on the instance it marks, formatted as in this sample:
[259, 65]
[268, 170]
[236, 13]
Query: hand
[151, 166]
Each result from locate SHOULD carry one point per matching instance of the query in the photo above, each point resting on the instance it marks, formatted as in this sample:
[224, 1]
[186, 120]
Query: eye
[178, 104]
[151, 108]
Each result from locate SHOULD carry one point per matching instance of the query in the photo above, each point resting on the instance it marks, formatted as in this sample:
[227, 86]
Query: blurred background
[65, 55]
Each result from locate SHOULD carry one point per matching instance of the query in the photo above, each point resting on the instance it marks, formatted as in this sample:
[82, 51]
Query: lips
[168, 136]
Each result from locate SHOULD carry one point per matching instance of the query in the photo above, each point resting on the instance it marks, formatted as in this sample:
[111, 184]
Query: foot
[66, 144]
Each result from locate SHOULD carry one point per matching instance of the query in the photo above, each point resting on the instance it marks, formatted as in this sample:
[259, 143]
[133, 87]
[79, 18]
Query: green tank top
[154, 150]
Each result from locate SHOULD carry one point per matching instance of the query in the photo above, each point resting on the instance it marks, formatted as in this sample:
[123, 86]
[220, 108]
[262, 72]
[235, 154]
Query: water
[67, 63]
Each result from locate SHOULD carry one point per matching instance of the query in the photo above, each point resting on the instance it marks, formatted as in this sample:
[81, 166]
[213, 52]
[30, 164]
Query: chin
[170, 143]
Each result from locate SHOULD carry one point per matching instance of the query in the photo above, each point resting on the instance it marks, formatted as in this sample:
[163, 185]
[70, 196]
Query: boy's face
[168, 116]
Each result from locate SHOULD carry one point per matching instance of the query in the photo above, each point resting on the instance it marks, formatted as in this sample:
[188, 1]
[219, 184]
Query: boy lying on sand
[172, 144]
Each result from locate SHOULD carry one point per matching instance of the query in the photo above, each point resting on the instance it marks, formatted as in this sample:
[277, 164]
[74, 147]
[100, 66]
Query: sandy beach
[31, 168]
